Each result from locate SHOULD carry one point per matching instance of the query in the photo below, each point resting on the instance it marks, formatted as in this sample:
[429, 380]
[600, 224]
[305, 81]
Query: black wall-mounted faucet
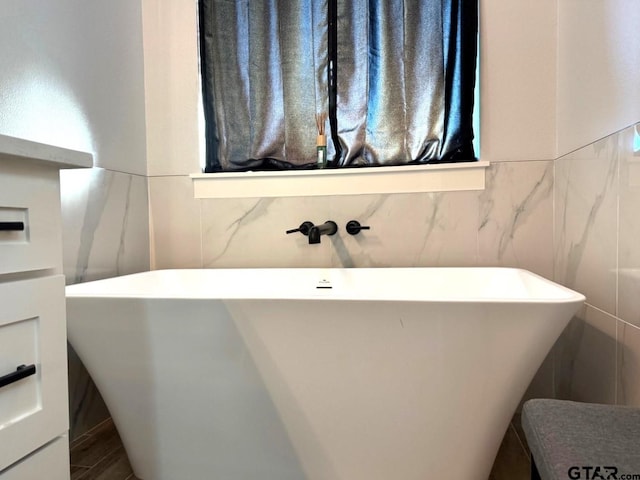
[327, 228]
[314, 232]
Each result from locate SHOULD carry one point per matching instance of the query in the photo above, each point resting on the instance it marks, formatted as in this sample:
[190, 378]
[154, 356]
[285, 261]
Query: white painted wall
[72, 75]
[598, 70]
[517, 80]
[171, 86]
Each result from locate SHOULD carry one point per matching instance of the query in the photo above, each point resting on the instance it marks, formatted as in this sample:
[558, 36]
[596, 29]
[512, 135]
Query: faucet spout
[327, 228]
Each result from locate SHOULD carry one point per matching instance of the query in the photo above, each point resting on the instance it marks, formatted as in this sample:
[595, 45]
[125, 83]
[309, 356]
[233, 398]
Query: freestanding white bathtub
[338, 374]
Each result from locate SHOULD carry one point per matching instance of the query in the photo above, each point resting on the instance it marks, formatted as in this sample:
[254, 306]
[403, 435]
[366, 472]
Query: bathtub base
[315, 374]
[242, 389]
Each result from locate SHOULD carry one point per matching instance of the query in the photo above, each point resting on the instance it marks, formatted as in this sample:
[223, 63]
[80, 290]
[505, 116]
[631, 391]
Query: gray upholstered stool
[572, 440]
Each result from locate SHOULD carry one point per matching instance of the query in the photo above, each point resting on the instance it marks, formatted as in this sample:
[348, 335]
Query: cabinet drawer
[33, 409]
[50, 462]
[30, 221]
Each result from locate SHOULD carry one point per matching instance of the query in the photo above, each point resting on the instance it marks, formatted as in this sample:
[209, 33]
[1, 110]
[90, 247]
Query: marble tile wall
[508, 224]
[105, 233]
[596, 251]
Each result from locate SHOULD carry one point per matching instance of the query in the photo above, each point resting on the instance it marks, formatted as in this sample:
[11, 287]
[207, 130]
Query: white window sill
[349, 181]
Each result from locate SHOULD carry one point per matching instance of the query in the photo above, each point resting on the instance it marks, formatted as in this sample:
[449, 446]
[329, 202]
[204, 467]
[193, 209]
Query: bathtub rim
[96, 288]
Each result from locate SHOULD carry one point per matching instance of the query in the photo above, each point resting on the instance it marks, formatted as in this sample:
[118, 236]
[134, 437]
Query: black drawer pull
[22, 371]
[11, 226]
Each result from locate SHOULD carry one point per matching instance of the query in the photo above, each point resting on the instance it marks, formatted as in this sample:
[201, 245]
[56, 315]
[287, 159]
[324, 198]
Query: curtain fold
[405, 81]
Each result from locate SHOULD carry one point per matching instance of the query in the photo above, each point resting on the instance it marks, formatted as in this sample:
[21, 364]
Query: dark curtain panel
[405, 72]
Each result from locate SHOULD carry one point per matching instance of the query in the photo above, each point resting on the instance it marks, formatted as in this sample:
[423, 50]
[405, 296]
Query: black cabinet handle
[11, 226]
[22, 371]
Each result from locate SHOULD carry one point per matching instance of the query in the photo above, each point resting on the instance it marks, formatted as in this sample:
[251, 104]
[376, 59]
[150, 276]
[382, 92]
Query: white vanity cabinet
[34, 418]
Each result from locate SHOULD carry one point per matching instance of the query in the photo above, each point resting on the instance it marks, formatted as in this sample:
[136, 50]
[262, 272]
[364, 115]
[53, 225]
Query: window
[391, 82]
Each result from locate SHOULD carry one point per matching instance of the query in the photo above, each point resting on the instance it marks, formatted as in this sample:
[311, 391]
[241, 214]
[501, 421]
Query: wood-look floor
[99, 455]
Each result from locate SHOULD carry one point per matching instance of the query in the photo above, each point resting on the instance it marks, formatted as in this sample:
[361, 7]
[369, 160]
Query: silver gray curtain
[404, 81]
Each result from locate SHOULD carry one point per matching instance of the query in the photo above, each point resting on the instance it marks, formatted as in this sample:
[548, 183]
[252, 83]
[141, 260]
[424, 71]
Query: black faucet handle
[304, 228]
[353, 227]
